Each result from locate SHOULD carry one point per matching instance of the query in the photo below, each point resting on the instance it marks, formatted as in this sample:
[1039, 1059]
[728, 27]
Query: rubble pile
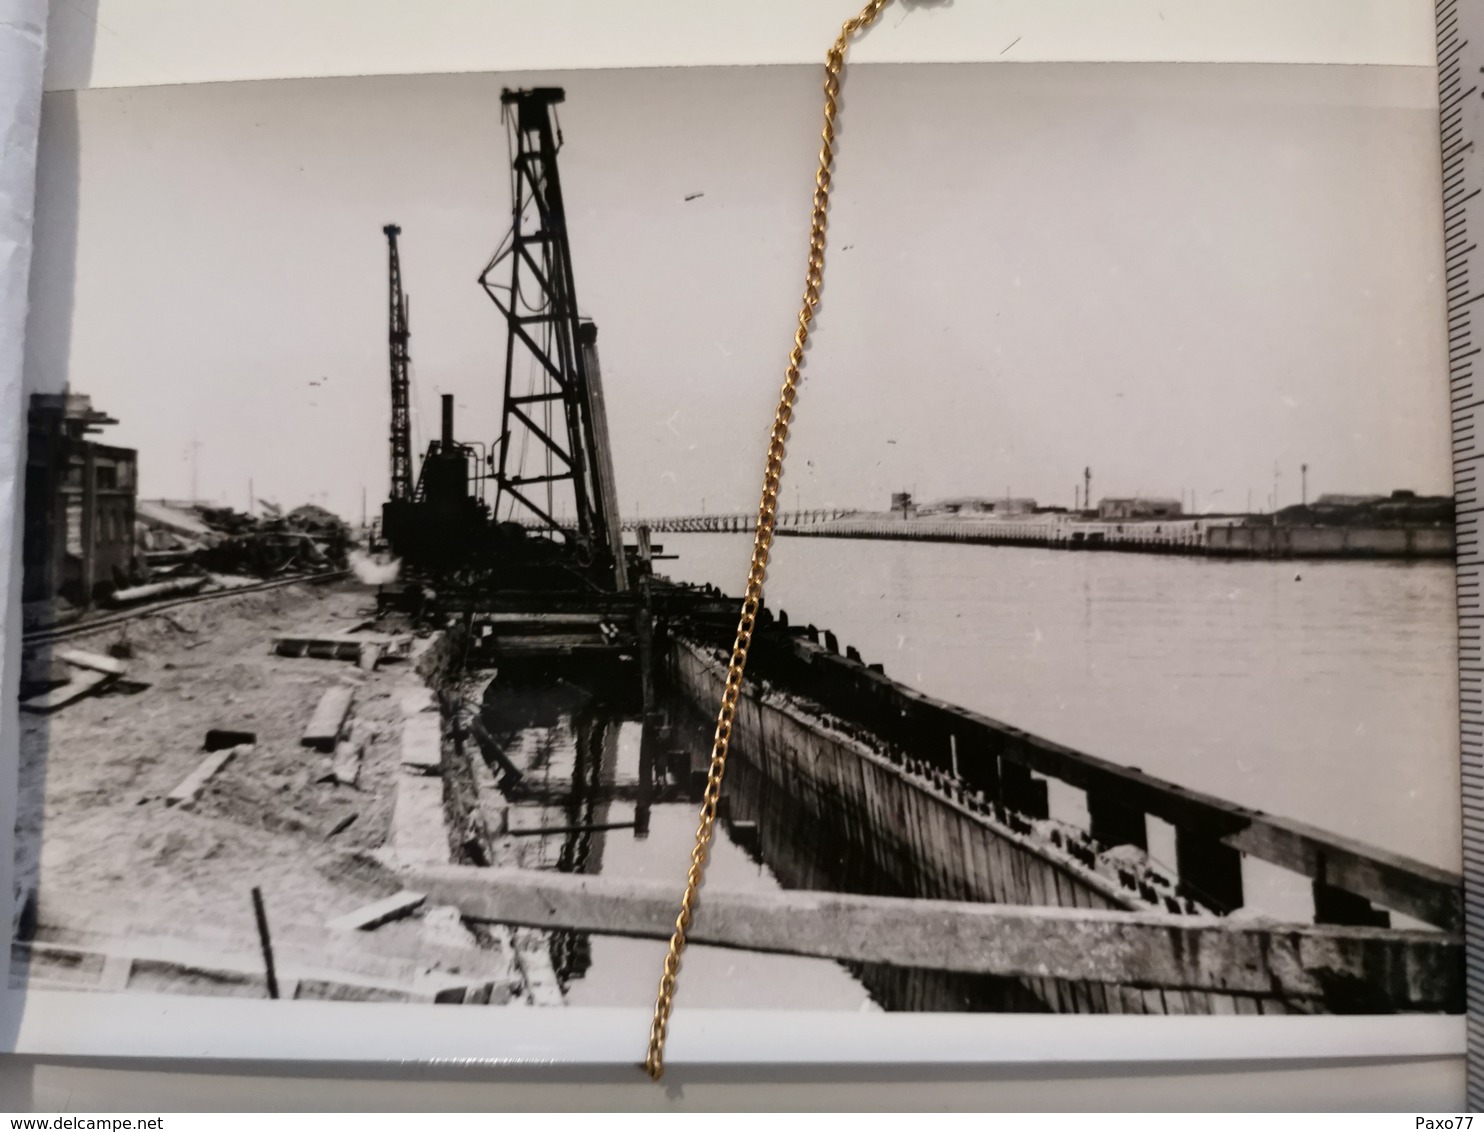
[181, 539]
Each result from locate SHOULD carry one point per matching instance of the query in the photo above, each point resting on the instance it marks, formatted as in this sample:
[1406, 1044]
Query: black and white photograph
[391, 476]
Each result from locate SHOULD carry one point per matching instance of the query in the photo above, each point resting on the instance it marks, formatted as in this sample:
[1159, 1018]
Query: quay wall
[1331, 542]
[905, 795]
[792, 775]
[831, 808]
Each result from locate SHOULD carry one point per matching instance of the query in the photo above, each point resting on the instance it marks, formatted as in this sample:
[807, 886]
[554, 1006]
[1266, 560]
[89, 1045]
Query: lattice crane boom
[398, 334]
[553, 437]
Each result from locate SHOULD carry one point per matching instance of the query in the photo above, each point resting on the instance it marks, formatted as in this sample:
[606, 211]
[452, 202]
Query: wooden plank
[520, 619]
[1097, 998]
[156, 589]
[557, 645]
[872, 787]
[1133, 1001]
[91, 660]
[422, 743]
[418, 835]
[1146, 949]
[972, 834]
[951, 846]
[1037, 875]
[85, 684]
[372, 916]
[394, 644]
[191, 786]
[416, 699]
[998, 866]
[328, 720]
[925, 883]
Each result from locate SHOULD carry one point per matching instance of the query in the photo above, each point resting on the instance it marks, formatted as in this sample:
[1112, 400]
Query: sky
[1192, 279]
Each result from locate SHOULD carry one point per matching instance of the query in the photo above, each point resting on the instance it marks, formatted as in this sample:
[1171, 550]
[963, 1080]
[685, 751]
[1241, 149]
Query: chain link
[654, 1061]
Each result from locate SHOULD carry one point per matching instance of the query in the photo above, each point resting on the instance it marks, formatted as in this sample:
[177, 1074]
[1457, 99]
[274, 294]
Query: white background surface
[136, 42]
[147, 42]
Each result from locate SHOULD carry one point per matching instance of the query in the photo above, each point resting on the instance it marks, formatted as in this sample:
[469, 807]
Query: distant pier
[1205, 536]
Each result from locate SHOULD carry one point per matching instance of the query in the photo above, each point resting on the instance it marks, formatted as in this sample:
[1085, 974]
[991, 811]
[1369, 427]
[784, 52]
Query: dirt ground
[95, 831]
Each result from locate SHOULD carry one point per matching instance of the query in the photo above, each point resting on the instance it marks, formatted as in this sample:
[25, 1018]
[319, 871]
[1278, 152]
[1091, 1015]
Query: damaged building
[79, 508]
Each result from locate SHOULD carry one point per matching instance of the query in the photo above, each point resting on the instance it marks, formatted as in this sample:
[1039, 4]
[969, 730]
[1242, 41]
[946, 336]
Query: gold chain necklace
[834, 66]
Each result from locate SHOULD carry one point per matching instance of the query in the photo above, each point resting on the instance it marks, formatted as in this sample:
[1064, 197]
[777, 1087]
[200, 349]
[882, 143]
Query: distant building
[78, 540]
[1401, 508]
[1137, 507]
[1000, 507]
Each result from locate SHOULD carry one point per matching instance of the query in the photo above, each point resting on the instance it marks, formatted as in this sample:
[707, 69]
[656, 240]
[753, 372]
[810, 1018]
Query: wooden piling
[265, 941]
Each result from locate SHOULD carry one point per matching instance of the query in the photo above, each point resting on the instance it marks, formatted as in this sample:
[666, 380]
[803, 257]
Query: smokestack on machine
[447, 421]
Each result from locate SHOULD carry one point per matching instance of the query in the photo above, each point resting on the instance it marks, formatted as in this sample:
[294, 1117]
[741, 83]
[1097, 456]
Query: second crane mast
[397, 336]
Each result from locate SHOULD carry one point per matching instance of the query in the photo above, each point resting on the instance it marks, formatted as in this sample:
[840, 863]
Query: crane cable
[767, 514]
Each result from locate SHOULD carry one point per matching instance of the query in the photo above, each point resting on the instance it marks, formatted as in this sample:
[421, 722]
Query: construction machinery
[553, 446]
[398, 333]
[553, 521]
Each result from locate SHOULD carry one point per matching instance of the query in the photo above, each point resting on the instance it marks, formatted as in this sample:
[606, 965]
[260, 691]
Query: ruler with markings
[1461, 116]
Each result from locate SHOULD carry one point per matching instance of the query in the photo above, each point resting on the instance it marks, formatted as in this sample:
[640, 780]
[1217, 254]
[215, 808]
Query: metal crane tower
[553, 442]
[397, 336]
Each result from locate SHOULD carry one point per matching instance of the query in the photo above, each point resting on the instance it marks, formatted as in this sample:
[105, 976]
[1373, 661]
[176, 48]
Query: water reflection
[586, 791]
[580, 770]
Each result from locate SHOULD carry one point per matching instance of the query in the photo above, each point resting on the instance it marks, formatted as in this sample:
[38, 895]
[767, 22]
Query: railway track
[124, 616]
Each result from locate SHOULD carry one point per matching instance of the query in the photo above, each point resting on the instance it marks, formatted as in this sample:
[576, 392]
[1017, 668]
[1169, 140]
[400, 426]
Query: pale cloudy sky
[1185, 276]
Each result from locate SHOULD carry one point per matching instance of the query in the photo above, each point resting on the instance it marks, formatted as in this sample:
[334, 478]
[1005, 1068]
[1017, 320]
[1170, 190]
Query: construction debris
[219, 739]
[344, 646]
[82, 685]
[91, 660]
[342, 825]
[194, 536]
[444, 925]
[173, 588]
[422, 743]
[372, 916]
[329, 719]
[190, 789]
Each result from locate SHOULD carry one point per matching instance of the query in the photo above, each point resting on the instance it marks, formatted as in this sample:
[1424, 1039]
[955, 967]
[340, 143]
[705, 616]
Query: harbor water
[1322, 691]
